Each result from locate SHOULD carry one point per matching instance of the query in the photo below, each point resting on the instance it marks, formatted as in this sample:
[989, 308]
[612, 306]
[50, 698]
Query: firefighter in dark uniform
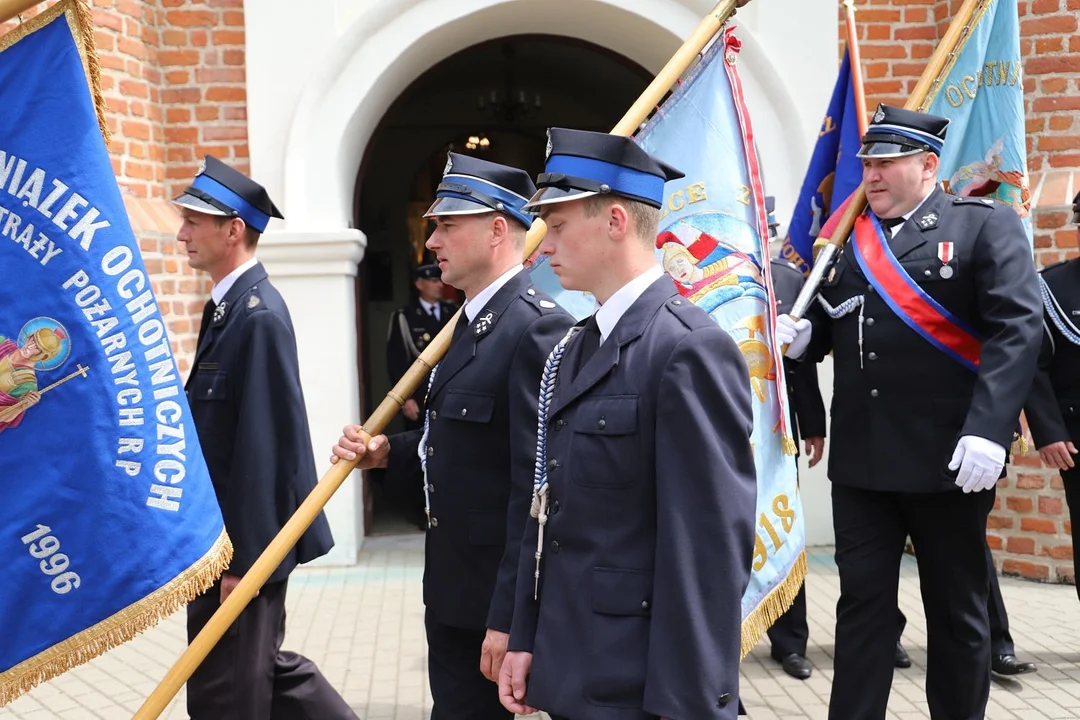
[479, 439]
[1053, 408]
[633, 568]
[248, 407]
[411, 329]
[806, 409]
[933, 317]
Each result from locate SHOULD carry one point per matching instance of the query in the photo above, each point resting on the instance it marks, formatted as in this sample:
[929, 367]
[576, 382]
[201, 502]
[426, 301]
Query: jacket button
[601, 424]
[869, 321]
[869, 288]
[723, 700]
[430, 451]
[464, 412]
[554, 546]
[560, 424]
[555, 508]
[874, 393]
[434, 522]
[926, 273]
[552, 464]
[645, 605]
[209, 392]
[434, 415]
[872, 356]
[430, 488]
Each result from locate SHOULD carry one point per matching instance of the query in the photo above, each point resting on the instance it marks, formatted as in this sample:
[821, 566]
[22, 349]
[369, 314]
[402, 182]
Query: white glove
[979, 461]
[793, 333]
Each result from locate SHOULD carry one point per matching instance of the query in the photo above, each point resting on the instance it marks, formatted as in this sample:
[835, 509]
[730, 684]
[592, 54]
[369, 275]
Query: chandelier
[509, 103]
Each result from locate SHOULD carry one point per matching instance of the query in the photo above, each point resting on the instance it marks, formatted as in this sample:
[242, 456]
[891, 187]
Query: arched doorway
[494, 100]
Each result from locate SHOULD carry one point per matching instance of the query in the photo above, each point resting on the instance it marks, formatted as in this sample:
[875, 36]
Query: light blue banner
[713, 242]
[983, 94]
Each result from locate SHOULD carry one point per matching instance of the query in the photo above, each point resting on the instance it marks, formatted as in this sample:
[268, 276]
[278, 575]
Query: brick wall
[174, 82]
[1029, 529]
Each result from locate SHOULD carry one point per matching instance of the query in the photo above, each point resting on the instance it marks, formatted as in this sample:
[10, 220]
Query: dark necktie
[891, 223]
[433, 311]
[590, 342]
[207, 318]
[459, 329]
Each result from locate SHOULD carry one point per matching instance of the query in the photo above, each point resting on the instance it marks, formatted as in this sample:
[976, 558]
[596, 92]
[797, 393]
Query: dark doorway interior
[494, 100]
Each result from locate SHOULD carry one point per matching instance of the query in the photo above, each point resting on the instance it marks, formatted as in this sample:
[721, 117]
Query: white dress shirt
[907, 216]
[607, 317]
[476, 304]
[430, 308]
[219, 291]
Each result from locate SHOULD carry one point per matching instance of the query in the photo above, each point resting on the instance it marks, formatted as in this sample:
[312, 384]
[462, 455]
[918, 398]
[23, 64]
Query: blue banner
[834, 173]
[713, 243]
[982, 92]
[109, 520]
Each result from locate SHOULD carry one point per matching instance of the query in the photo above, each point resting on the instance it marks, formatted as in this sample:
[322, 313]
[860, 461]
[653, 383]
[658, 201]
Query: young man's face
[576, 244]
[204, 239]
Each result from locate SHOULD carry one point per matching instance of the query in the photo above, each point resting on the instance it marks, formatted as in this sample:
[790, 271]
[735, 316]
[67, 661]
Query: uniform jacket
[1053, 408]
[650, 536]
[806, 409]
[248, 407]
[411, 329]
[897, 416]
[480, 454]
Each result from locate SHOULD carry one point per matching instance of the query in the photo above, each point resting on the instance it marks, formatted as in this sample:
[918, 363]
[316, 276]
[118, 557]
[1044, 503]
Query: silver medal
[946, 271]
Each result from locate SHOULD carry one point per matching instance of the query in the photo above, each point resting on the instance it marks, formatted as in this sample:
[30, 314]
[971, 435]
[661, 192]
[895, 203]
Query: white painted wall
[319, 80]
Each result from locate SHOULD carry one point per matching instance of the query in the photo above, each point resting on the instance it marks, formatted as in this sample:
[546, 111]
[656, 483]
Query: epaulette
[680, 307]
[539, 299]
[977, 201]
[253, 302]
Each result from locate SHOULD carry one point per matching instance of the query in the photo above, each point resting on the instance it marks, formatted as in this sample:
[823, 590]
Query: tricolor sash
[911, 303]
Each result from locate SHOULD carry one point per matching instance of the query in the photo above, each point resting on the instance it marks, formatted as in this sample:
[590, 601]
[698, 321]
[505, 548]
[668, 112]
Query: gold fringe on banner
[119, 628]
[773, 606]
[80, 20]
[790, 448]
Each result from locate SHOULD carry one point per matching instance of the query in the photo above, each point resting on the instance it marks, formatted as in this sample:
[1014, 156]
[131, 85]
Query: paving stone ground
[363, 626]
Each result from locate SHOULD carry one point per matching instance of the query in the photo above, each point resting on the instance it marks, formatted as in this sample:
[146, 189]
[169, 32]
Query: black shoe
[796, 666]
[901, 659]
[1009, 665]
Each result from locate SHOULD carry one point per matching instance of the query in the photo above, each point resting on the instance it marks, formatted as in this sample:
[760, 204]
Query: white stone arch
[396, 41]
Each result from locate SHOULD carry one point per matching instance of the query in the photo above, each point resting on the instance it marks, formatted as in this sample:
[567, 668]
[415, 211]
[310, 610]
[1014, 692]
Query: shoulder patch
[253, 301]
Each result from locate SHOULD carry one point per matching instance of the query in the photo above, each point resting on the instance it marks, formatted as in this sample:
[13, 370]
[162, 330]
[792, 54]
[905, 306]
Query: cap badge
[547, 151]
[449, 165]
[202, 167]
[879, 115]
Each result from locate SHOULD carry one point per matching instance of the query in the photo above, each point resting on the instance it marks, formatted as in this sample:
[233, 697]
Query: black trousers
[1071, 480]
[949, 533]
[247, 676]
[1001, 642]
[790, 632]
[458, 690]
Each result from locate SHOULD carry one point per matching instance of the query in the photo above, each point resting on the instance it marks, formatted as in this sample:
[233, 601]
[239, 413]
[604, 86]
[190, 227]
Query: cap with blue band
[896, 132]
[581, 164]
[225, 192]
[471, 186]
